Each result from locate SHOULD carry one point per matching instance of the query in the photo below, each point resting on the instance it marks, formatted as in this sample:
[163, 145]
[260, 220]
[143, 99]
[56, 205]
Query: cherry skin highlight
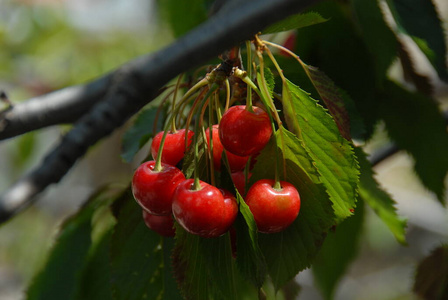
[243, 132]
[163, 225]
[173, 148]
[153, 190]
[236, 162]
[273, 210]
[207, 212]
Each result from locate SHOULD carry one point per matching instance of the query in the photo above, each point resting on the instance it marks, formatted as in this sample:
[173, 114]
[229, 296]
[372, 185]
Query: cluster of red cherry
[200, 208]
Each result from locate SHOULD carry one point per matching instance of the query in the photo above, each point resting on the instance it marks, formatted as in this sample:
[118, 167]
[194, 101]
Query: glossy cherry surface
[236, 162]
[163, 225]
[173, 148]
[153, 190]
[273, 209]
[206, 212]
[243, 132]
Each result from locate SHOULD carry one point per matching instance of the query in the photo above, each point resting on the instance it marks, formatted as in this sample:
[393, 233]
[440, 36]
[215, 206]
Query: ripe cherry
[207, 212]
[244, 132]
[153, 190]
[273, 209]
[173, 148]
[236, 162]
[163, 225]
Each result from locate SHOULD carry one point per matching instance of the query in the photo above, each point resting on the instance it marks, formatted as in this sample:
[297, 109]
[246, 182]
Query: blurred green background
[49, 44]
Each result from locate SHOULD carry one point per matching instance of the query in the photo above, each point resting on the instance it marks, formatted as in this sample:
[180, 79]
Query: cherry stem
[210, 139]
[249, 74]
[158, 164]
[277, 186]
[173, 123]
[271, 102]
[280, 71]
[197, 184]
[227, 95]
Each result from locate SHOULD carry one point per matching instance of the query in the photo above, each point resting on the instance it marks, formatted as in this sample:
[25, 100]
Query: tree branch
[138, 82]
[62, 106]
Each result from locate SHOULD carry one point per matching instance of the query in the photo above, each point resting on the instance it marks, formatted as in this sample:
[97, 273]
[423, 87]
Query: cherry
[153, 190]
[244, 132]
[173, 148]
[163, 225]
[236, 162]
[273, 209]
[238, 179]
[207, 212]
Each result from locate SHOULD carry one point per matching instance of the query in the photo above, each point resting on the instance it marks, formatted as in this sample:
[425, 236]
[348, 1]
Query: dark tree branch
[137, 83]
[62, 106]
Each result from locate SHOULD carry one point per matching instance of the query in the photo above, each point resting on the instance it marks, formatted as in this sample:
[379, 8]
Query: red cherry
[243, 132]
[207, 212]
[238, 179]
[163, 225]
[173, 148]
[274, 210]
[236, 162]
[153, 190]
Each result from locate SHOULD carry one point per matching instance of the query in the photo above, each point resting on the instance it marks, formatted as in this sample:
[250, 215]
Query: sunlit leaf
[339, 250]
[332, 154]
[292, 250]
[339, 50]
[332, 98]
[414, 122]
[295, 21]
[380, 201]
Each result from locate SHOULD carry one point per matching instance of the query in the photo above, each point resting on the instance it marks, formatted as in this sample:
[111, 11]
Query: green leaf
[420, 20]
[380, 201]
[337, 48]
[183, 16]
[295, 21]
[61, 274]
[292, 250]
[339, 250]
[270, 81]
[249, 260]
[95, 280]
[140, 132]
[332, 98]
[136, 257]
[204, 268]
[170, 289]
[414, 122]
[431, 279]
[332, 154]
[379, 38]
